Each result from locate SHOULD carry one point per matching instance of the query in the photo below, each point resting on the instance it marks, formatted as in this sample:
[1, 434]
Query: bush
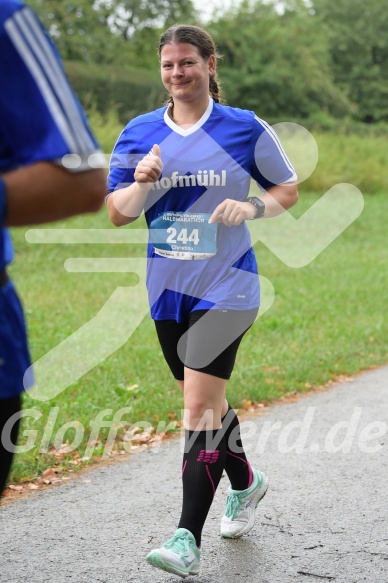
[128, 91]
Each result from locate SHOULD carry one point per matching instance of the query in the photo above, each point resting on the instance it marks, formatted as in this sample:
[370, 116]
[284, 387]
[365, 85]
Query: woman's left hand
[233, 212]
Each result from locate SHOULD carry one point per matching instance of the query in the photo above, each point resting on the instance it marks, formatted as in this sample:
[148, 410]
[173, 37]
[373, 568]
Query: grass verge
[328, 319]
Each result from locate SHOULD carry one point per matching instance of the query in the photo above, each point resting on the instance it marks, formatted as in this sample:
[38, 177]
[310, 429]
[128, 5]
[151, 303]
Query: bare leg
[224, 410]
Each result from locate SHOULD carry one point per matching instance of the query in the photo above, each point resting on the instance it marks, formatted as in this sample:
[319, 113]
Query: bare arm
[44, 192]
[277, 199]
[126, 204]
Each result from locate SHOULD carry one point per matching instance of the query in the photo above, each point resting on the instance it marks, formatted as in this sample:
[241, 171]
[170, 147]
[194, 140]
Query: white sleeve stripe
[52, 69]
[278, 144]
[38, 73]
[50, 99]
[59, 82]
[42, 62]
[291, 180]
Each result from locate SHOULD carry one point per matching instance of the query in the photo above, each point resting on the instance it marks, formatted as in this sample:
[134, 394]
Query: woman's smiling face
[185, 74]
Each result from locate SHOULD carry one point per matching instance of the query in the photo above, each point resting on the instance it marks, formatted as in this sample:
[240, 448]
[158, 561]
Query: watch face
[260, 206]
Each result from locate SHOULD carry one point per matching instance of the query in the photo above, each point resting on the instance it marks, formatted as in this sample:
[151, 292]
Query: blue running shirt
[213, 160]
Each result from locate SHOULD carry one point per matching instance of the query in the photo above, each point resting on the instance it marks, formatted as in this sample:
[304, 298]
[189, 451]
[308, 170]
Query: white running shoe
[240, 508]
[179, 555]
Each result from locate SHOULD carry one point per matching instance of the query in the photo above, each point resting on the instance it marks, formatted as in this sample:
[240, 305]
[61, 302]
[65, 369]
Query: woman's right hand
[126, 204]
[150, 167]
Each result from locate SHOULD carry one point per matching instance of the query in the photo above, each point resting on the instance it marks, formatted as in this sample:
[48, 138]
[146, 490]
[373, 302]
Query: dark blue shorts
[208, 341]
[14, 353]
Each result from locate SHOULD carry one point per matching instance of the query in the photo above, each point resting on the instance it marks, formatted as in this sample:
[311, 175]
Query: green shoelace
[233, 504]
[179, 543]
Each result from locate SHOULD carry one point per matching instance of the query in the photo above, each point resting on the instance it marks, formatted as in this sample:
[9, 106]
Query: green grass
[328, 319]
[358, 159]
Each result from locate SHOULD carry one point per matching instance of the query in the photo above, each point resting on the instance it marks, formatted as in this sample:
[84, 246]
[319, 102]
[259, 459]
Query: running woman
[189, 165]
[40, 123]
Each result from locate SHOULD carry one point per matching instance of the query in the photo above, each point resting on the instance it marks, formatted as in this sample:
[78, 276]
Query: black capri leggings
[207, 341]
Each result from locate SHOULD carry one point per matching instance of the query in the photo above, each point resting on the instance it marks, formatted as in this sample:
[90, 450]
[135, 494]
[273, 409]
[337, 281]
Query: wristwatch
[258, 204]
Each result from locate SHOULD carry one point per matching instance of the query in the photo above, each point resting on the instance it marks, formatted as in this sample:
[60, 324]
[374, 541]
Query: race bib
[184, 235]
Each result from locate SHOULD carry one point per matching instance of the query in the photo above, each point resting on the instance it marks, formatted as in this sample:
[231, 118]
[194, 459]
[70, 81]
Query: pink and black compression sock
[236, 464]
[203, 464]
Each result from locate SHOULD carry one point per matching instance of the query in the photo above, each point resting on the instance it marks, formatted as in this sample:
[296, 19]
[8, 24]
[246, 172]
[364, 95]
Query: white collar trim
[193, 128]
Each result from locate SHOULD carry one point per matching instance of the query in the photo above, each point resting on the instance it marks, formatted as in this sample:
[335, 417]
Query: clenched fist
[150, 167]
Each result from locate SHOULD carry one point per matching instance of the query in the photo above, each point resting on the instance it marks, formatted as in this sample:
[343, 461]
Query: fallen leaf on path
[16, 488]
[50, 472]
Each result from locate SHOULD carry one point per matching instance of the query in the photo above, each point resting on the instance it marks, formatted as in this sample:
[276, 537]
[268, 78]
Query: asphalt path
[325, 516]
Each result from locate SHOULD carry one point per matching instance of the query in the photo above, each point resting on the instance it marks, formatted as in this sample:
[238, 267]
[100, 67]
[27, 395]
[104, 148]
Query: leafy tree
[143, 27]
[79, 30]
[276, 63]
[358, 42]
[131, 17]
[106, 31]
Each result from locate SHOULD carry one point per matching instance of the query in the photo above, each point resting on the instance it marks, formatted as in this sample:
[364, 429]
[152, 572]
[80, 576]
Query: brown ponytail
[215, 89]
